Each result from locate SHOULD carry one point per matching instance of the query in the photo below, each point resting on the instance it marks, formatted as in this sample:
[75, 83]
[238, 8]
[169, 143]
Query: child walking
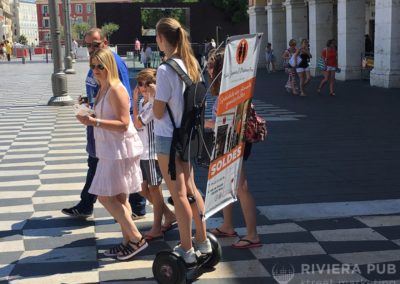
[270, 58]
[151, 186]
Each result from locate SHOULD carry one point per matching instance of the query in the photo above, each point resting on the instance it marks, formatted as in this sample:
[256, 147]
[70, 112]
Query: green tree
[109, 29]
[79, 30]
[23, 40]
[236, 10]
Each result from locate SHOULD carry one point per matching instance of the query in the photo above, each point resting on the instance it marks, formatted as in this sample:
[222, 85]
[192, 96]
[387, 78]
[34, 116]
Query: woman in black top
[302, 68]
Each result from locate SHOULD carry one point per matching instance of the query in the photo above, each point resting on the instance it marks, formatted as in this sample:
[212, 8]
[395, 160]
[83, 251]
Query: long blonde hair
[177, 36]
[106, 58]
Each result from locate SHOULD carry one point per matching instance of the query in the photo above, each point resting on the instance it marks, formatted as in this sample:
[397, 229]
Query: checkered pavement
[43, 168]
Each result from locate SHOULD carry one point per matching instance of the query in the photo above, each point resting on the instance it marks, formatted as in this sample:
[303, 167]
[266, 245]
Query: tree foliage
[236, 10]
[150, 17]
[79, 30]
[23, 40]
[109, 29]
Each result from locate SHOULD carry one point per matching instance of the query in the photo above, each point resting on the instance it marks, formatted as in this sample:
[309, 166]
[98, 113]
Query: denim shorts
[163, 145]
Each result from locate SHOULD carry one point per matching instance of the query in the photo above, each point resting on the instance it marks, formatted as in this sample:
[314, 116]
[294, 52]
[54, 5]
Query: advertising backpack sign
[235, 95]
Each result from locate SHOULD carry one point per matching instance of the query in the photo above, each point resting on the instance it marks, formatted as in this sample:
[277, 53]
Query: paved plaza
[326, 184]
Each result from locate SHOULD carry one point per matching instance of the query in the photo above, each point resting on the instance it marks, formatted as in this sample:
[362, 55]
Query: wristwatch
[98, 122]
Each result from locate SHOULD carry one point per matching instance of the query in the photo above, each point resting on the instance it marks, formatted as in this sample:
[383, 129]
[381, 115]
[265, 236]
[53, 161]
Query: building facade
[25, 21]
[5, 21]
[348, 21]
[81, 11]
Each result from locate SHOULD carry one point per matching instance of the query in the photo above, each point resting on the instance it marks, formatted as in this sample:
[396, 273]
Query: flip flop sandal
[249, 244]
[131, 249]
[220, 234]
[111, 252]
[169, 227]
[150, 238]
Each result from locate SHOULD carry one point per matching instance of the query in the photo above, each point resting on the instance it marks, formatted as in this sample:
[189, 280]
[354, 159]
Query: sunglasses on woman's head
[141, 84]
[98, 66]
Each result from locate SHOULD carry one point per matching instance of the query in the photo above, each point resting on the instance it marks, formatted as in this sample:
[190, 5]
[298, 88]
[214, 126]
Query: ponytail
[185, 52]
[177, 36]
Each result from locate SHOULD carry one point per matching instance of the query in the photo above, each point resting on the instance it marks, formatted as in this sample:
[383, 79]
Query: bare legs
[305, 78]
[328, 75]
[248, 209]
[292, 81]
[118, 206]
[154, 195]
[183, 209]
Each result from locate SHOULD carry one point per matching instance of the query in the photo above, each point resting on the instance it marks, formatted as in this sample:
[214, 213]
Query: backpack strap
[182, 74]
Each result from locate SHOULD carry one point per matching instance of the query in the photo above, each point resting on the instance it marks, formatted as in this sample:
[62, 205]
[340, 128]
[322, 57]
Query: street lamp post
[58, 78]
[67, 36]
[217, 29]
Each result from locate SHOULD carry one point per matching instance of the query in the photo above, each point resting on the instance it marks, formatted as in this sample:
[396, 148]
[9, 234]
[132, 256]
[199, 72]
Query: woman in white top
[118, 148]
[173, 40]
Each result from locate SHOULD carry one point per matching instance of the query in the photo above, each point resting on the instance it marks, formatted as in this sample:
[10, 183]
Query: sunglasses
[142, 84]
[98, 66]
[93, 44]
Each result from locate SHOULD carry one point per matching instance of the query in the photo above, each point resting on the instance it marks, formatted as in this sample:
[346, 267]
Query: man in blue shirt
[95, 39]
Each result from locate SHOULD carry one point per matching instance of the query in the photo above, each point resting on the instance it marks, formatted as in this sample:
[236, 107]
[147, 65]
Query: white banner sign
[236, 91]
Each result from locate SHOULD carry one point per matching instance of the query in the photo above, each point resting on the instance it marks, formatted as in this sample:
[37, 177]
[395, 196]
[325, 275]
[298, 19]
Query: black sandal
[112, 252]
[131, 249]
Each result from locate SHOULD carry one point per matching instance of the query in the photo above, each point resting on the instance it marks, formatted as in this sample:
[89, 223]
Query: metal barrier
[133, 61]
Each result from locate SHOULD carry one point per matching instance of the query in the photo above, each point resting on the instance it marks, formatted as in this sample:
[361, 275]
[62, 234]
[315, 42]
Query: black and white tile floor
[43, 168]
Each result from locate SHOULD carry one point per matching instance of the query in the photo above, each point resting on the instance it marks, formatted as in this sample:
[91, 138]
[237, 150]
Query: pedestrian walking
[75, 48]
[146, 55]
[9, 49]
[251, 239]
[137, 48]
[290, 85]
[2, 51]
[302, 67]
[329, 55]
[269, 58]
[173, 39]
[118, 149]
[95, 39]
[144, 123]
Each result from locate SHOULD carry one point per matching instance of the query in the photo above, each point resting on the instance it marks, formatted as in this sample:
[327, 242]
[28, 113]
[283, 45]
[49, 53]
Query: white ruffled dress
[118, 170]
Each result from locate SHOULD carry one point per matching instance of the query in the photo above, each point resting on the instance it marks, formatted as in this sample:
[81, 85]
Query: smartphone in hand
[84, 100]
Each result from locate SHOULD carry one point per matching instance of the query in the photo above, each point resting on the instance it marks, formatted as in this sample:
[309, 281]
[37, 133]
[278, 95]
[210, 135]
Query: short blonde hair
[106, 58]
[292, 42]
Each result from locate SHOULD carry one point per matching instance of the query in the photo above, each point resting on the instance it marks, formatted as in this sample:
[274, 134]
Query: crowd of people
[296, 62]
[129, 142]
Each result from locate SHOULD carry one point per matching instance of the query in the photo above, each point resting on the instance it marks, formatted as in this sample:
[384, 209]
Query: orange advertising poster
[236, 91]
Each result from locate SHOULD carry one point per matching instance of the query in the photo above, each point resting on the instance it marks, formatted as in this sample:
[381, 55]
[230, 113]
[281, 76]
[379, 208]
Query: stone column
[320, 14]
[296, 20]
[276, 29]
[386, 72]
[258, 24]
[351, 26]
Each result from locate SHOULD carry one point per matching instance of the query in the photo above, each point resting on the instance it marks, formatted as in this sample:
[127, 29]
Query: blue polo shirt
[91, 90]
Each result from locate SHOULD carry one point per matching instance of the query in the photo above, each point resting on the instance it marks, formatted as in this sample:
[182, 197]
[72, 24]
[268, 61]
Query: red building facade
[81, 11]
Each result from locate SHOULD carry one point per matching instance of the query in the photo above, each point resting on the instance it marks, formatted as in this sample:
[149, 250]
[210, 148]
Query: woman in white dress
[118, 148]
